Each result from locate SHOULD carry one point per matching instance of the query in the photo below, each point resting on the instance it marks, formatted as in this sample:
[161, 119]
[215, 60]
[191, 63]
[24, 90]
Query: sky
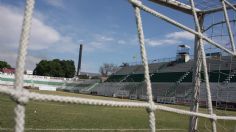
[106, 28]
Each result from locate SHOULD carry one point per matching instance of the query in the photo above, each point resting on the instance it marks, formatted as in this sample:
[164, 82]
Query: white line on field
[92, 129]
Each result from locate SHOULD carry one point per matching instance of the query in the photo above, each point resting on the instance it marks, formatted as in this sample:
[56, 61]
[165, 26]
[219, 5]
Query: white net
[22, 96]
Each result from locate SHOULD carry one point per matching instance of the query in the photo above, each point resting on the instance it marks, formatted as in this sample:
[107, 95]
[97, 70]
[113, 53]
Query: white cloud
[103, 38]
[101, 42]
[66, 44]
[180, 35]
[155, 42]
[11, 56]
[55, 3]
[121, 42]
[170, 39]
[42, 36]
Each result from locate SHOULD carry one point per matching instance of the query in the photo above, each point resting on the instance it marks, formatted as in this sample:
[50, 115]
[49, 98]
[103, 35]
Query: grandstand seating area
[108, 89]
[137, 90]
[220, 71]
[172, 82]
[214, 76]
[78, 87]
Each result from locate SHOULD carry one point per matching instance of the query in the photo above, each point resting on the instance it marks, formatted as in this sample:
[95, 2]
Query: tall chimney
[80, 59]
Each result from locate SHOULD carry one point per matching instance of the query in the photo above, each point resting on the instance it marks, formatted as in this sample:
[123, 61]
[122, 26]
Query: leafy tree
[69, 67]
[55, 68]
[4, 64]
[107, 69]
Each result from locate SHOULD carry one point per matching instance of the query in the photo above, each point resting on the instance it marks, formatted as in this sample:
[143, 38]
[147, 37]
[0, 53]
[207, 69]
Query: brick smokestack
[80, 59]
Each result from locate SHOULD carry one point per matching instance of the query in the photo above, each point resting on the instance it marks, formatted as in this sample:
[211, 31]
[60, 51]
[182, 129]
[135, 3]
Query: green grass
[61, 115]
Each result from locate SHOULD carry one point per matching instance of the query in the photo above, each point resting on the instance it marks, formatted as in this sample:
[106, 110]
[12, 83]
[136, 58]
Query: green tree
[4, 64]
[107, 69]
[69, 68]
[55, 68]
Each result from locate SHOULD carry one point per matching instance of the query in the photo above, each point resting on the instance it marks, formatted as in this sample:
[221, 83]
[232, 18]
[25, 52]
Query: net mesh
[206, 4]
[22, 96]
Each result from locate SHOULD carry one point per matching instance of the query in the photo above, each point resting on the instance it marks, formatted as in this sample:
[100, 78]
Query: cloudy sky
[105, 27]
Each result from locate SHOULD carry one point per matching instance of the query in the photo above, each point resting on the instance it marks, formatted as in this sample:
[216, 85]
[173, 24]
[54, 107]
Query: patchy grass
[51, 115]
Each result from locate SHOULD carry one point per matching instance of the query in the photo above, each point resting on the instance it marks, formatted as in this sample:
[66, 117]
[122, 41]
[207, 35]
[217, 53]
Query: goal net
[198, 9]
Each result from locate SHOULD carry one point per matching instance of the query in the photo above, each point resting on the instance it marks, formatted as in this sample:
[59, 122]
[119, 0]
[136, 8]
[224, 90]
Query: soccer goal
[199, 9]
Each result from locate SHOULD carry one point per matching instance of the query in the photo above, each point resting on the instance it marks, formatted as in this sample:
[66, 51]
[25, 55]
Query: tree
[55, 68]
[4, 64]
[107, 69]
[124, 64]
[69, 68]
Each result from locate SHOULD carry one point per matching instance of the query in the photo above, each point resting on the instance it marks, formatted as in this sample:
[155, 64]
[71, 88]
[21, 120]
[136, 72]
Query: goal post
[21, 96]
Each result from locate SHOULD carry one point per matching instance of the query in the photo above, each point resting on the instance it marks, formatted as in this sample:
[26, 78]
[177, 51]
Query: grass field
[42, 116]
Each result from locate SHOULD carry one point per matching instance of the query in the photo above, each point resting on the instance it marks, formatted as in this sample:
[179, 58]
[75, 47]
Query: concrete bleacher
[137, 90]
[218, 92]
[127, 70]
[78, 86]
[221, 93]
[177, 67]
[139, 69]
[107, 89]
[213, 64]
[173, 80]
